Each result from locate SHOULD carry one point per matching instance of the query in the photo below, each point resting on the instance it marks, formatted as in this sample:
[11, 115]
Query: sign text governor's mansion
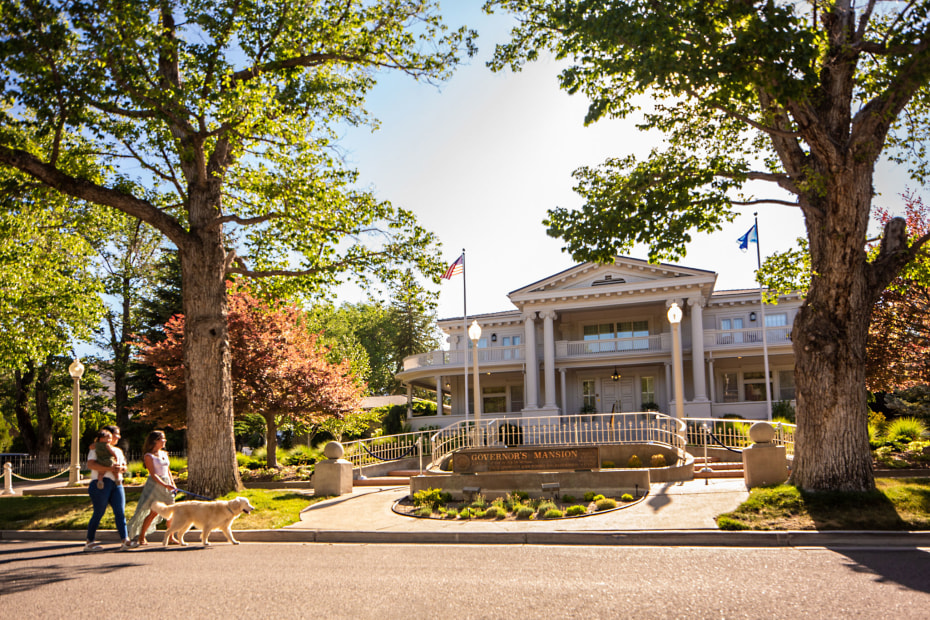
[596, 339]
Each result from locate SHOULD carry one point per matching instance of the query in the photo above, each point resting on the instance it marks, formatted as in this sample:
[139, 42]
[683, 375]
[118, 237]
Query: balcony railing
[735, 338]
[610, 346]
[456, 358]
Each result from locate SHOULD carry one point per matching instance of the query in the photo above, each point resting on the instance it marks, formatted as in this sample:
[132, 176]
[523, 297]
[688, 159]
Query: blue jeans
[111, 494]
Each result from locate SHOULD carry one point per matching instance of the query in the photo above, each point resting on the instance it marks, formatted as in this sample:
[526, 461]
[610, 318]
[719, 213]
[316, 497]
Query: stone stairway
[400, 477]
[719, 469]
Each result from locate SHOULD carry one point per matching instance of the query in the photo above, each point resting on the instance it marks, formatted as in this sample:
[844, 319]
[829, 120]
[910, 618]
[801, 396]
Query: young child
[103, 452]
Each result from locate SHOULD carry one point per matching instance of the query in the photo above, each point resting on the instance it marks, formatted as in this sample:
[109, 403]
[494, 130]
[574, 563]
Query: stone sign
[545, 458]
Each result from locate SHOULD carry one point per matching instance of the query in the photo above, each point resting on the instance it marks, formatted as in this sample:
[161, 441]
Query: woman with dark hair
[110, 494]
[158, 488]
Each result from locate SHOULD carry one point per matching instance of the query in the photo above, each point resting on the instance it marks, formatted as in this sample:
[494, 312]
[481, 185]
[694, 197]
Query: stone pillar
[334, 475]
[697, 348]
[531, 384]
[438, 394]
[549, 318]
[764, 463]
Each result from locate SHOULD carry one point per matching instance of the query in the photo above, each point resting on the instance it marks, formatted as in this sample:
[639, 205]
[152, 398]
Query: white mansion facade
[596, 339]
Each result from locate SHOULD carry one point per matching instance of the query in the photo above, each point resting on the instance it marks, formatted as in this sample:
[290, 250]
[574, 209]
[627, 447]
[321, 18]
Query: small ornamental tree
[279, 369]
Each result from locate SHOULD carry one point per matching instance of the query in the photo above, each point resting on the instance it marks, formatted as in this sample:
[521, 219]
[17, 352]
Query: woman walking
[110, 494]
[158, 488]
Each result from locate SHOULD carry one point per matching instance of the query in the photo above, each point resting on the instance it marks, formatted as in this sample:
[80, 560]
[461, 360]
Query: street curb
[657, 538]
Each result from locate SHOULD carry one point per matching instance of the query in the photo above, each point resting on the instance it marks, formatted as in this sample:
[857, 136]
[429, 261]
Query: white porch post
[438, 394]
[697, 348]
[564, 404]
[549, 357]
[532, 368]
[409, 401]
[713, 389]
[668, 383]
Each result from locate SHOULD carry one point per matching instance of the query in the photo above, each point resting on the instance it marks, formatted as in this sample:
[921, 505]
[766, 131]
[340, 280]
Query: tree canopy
[807, 96]
[218, 121]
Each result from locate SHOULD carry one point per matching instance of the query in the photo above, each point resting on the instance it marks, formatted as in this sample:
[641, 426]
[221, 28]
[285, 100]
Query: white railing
[734, 434]
[734, 338]
[608, 346]
[599, 429]
[457, 357]
[387, 448]
[30, 466]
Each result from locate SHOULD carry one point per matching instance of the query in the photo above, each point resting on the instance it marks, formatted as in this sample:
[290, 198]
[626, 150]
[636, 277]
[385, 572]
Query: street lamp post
[674, 317]
[76, 370]
[474, 332]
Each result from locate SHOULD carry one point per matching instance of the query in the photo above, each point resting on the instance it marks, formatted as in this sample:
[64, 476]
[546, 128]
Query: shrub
[495, 512]
[424, 511]
[466, 513]
[626, 497]
[480, 502]
[552, 513]
[434, 498]
[544, 506]
[876, 439]
[657, 460]
[574, 511]
[597, 498]
[605, 503]
[905, 429]
[519, 496]
[608, 465]
[524, 512]
[783, 409]
[510, 435]
[136, 469]
[302, 455]
[589, 496]
[649, 406]
[634, 462]
[568, 499]
[500, 503]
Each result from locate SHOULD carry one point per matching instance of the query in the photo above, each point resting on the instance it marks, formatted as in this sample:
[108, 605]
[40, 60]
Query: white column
[438, 394]
[409, 401]
[713, 381]
[549, 318]
[564, 405]
[697, 348]
[531, 382]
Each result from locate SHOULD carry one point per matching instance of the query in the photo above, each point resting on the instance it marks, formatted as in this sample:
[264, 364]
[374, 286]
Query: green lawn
[897, 504]
[274, 509]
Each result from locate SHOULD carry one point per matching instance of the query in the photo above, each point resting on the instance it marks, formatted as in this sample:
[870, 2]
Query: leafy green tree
[221, 118]
[806, 96]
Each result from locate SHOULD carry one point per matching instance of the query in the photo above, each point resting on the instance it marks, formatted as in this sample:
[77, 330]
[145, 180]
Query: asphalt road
[281, 580]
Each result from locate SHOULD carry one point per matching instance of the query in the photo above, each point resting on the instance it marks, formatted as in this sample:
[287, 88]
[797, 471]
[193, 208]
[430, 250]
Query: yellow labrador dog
[206, 516]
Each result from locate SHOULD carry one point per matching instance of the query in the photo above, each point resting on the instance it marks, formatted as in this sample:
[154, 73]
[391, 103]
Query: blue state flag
[751, 236]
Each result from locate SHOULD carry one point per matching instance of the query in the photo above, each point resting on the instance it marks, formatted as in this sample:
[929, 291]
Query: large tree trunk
[23, 388]
[121, 354]
[271, 441]
[43, 446]
[211, 446]
[829, 339]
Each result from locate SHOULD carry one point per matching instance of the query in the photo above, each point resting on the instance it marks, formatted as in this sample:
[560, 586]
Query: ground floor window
[754, 385]
[494, 399]
[647, 390]
[516, 397]
[588, 396]
[786, 385]
[730, 387]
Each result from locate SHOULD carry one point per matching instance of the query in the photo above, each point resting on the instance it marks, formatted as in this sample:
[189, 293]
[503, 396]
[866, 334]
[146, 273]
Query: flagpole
[465, 334]
[765, 341]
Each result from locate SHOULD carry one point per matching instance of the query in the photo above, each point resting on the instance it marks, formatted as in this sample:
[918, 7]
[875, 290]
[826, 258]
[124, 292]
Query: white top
[160, 464]
[120, 460]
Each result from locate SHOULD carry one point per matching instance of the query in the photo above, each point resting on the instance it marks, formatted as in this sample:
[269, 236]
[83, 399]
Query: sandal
[128, 544]
[93, 546]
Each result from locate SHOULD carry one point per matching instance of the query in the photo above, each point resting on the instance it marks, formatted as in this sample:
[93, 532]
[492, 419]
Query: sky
[481, 158]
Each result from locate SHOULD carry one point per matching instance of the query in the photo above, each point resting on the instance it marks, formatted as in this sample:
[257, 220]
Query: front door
[616, 396]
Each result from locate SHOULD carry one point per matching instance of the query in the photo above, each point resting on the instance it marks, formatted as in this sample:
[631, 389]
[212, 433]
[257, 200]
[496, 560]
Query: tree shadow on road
[908, 567]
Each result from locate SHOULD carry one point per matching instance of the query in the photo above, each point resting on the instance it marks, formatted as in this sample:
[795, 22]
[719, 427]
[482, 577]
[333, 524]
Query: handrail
[733, 433]
[582, 429]
[375, 450]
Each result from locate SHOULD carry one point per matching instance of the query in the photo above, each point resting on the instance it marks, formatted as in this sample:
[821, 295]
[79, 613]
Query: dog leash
[177, 490]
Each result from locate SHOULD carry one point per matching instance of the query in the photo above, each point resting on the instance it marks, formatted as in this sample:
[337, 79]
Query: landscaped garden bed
[516, 506]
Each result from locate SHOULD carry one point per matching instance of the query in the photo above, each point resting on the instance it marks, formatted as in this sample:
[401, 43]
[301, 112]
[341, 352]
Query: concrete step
[404, 473]
[719, 466]
[381, 481]
[725, 473]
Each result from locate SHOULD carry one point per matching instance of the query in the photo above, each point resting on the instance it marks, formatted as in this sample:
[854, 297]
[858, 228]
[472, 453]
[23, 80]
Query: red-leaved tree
[899, 333]
[279, 369]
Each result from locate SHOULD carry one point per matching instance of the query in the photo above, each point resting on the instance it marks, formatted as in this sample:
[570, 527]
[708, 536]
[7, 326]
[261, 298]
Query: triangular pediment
[624, 273]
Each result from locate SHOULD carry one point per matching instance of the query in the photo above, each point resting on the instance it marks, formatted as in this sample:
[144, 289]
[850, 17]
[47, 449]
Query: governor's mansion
[597, 339]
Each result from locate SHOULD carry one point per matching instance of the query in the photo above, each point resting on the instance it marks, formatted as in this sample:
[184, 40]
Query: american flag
[455, 268]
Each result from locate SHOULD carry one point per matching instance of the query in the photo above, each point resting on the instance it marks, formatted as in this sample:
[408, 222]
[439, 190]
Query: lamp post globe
[474, 334]
[76, 370]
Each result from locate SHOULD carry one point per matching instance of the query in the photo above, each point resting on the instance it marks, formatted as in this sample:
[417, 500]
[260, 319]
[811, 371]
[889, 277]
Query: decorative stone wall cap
[333, 450]
[761, 432]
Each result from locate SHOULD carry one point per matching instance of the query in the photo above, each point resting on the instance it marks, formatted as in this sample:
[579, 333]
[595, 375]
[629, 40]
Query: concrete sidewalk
[672, 514]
